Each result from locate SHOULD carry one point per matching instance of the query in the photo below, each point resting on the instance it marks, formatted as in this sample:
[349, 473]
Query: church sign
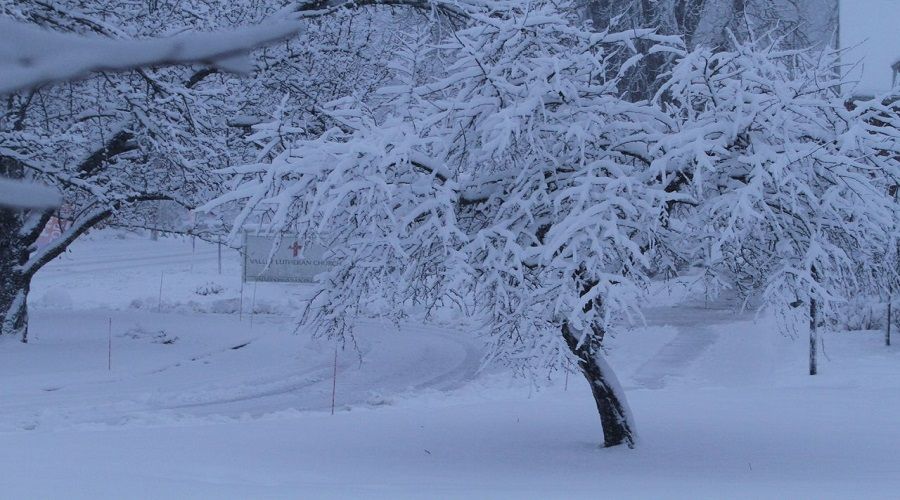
[293, 261]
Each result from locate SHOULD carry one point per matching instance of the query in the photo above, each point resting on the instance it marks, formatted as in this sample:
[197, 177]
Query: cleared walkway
[692, 321]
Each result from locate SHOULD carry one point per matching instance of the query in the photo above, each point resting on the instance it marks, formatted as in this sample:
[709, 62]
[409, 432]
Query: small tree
[791, 182]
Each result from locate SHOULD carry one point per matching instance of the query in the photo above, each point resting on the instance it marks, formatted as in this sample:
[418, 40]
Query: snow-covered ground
[202, 401]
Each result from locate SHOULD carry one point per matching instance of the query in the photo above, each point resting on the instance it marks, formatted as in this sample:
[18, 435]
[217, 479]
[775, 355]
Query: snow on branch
[23, 195]
[31, 56]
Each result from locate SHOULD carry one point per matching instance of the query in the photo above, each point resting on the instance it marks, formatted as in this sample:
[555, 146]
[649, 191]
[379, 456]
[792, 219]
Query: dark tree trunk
[15, 239]
[14, 304]
[688, 15]
[14, 284]
[738, 24]
[615, 417]
[640, 81]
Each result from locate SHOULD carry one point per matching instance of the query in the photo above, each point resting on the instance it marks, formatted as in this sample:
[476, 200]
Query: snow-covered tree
[498, 173]
[791, 181]
[503, 172]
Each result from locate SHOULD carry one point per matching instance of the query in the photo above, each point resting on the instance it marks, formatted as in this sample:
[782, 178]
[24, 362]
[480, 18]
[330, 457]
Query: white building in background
[870, 34]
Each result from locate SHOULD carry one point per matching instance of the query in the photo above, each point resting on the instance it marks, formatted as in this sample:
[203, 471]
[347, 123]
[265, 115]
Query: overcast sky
[875, 24]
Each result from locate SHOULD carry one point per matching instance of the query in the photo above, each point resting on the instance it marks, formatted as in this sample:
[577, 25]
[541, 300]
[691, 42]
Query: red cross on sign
[295, 247]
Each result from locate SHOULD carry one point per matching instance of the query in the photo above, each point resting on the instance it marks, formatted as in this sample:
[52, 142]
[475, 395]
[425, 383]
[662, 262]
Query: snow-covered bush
[862, 313]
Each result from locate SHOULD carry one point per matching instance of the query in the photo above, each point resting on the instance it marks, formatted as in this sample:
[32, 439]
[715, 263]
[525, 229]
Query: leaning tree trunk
[14, 284]
[18, 229]
[615, 416]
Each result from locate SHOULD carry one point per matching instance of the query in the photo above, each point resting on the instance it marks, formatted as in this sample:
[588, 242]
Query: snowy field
[202, 399]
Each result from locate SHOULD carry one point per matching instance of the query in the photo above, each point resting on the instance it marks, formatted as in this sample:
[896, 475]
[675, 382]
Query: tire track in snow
[259, 379]
[304, 390]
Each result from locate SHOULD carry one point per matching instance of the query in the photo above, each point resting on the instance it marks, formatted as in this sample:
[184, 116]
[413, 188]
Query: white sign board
[292, 261]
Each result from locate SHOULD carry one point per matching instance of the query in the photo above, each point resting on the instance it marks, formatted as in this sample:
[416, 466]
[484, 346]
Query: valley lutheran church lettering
[294, 263]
